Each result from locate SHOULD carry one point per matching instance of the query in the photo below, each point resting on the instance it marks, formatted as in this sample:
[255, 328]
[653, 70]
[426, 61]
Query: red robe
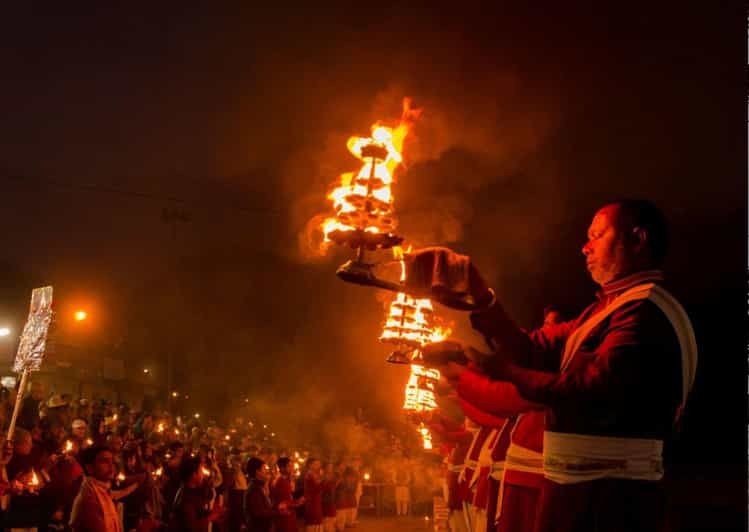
[624, 381]
[281, 491]
[521, 488]
[312, 500]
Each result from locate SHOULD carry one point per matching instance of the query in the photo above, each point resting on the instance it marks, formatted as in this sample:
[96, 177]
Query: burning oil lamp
[156, 474]
[363, 202]
[120, 478]
[410, 323]
[68, 447]
[206, 471]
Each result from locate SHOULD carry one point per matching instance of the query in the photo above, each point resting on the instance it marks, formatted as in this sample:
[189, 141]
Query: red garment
[282, 491]
[455, 462]
[328, 498]
[519, 507]
[498, 398]
[464, 485]
[312, 500]
[635, 348]
[607, 504]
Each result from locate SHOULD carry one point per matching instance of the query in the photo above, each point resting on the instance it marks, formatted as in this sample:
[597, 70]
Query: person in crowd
[258, 508]
[346, 498]
[329, 483]
[313, 515]
[94, 509]
[282, 493]
[192, 510]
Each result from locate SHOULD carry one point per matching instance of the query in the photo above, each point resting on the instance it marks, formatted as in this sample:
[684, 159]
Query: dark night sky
[532, 118]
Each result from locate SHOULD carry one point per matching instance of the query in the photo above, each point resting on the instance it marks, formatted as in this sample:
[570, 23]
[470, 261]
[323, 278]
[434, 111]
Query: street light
[4, 331]
[80, 315]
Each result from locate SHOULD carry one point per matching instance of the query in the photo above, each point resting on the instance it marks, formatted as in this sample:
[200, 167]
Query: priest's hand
[448, 277]
[441, 354]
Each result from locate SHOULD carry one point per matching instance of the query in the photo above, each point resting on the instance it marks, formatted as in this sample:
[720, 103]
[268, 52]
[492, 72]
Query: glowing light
[160, 427]
[366, 476]
[4, 331]
[197, 415]
[68, 446]
[206, 471]
[363, 200]
[158, 472]
[121, 477]
[80, 315]
[89, 442]
[174, 394]
[34, 481]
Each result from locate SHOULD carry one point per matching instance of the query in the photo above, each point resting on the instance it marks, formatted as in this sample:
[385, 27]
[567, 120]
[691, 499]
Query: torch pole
[17, 405]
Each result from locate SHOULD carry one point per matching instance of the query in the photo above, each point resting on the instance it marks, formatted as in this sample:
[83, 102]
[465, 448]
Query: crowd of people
[81, 465]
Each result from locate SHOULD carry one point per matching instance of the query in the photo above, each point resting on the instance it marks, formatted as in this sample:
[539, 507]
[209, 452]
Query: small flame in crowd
[34, 481]
[206, 471]
[89, 442]
[160, 427]
[367, 476]
[121, 477]
[158, 472]
[68, 446]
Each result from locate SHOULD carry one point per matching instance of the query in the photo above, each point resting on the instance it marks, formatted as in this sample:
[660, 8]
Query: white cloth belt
[498, 470]
[572, 458]
[522, 459]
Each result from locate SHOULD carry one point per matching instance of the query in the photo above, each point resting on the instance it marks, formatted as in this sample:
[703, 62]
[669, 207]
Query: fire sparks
[363, 200]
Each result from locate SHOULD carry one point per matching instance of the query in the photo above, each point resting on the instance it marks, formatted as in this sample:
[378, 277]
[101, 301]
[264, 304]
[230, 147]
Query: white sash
[572, 458]
[670, 308]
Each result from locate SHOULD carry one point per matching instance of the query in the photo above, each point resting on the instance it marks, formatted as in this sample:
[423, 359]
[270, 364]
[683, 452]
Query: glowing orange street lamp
[80, 315]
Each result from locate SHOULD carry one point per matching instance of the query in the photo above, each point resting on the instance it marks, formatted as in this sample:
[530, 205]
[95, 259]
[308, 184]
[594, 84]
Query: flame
[158, 472]
[89, 442]
[68, 446]
[411, 320]
[366, 476]
[426, 436]
[160, 427]
[206, 471]
[420, 389]
[34, 479]
[363, 200]
[121, 477]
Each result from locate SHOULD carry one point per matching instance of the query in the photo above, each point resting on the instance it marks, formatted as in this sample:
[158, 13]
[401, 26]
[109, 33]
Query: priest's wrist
[486, 301]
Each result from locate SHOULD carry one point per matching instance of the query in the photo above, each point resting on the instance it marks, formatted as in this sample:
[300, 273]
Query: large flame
[363, 200]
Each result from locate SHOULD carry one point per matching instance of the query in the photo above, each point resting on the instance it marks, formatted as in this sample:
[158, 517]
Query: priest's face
[607, 255]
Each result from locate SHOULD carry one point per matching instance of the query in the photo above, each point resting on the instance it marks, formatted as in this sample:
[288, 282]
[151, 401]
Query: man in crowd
[613, 380]
[93, 508]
